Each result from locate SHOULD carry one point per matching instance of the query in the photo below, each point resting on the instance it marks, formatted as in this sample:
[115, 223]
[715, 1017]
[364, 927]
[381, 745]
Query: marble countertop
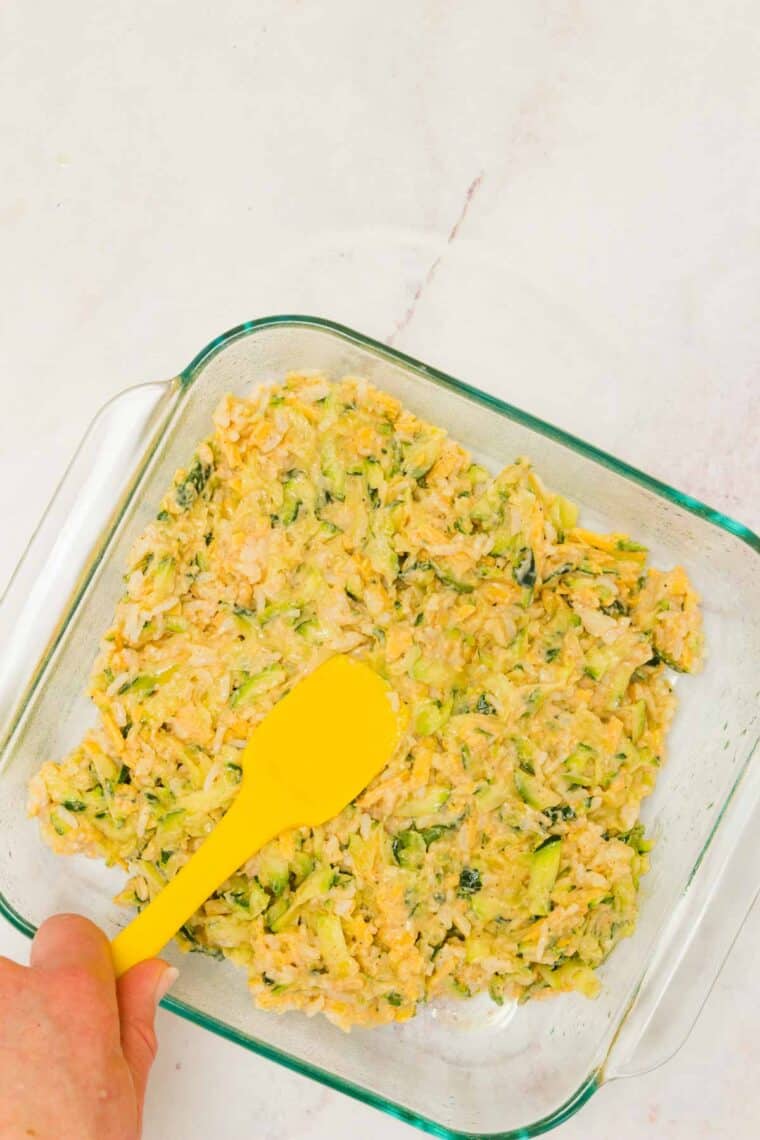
[558, 202]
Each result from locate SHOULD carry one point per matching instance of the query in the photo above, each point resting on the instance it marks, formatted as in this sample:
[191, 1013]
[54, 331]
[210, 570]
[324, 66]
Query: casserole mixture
[500, 850]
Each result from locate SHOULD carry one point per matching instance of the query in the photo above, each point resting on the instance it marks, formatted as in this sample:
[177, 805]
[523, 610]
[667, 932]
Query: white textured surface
[556, 201]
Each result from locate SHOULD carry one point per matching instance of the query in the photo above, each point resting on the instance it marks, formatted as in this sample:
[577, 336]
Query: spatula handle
[234, 839]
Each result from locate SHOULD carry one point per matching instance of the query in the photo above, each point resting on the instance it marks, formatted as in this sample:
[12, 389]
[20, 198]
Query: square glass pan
[471, 1069]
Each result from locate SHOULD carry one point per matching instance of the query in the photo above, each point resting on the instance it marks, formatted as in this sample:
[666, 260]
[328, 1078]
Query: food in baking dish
[501, 848]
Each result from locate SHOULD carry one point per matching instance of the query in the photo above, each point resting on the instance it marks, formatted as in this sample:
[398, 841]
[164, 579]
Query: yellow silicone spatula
[315, 751]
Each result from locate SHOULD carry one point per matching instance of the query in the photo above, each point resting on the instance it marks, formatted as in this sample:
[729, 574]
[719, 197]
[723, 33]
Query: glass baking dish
[469, 1069]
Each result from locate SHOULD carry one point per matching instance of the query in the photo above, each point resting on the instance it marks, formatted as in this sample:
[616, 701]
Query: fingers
[138, 992]
[67, 941]
[81, 951]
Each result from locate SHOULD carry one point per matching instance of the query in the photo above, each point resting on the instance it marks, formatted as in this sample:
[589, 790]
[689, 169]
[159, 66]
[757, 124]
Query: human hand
[76, 1046]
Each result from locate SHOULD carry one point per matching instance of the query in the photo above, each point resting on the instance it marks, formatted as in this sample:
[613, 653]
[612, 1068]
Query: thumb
[138, 992]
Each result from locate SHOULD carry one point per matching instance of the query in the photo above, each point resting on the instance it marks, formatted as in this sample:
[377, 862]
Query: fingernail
[165, 982]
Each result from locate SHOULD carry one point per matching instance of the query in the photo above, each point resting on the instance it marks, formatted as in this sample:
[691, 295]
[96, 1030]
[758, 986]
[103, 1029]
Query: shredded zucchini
[500, 851]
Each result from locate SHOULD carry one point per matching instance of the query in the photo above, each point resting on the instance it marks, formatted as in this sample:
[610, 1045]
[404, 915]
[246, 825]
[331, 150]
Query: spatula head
[325, 741]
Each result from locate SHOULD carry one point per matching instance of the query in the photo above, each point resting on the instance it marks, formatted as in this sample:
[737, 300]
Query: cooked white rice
[500, 850]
